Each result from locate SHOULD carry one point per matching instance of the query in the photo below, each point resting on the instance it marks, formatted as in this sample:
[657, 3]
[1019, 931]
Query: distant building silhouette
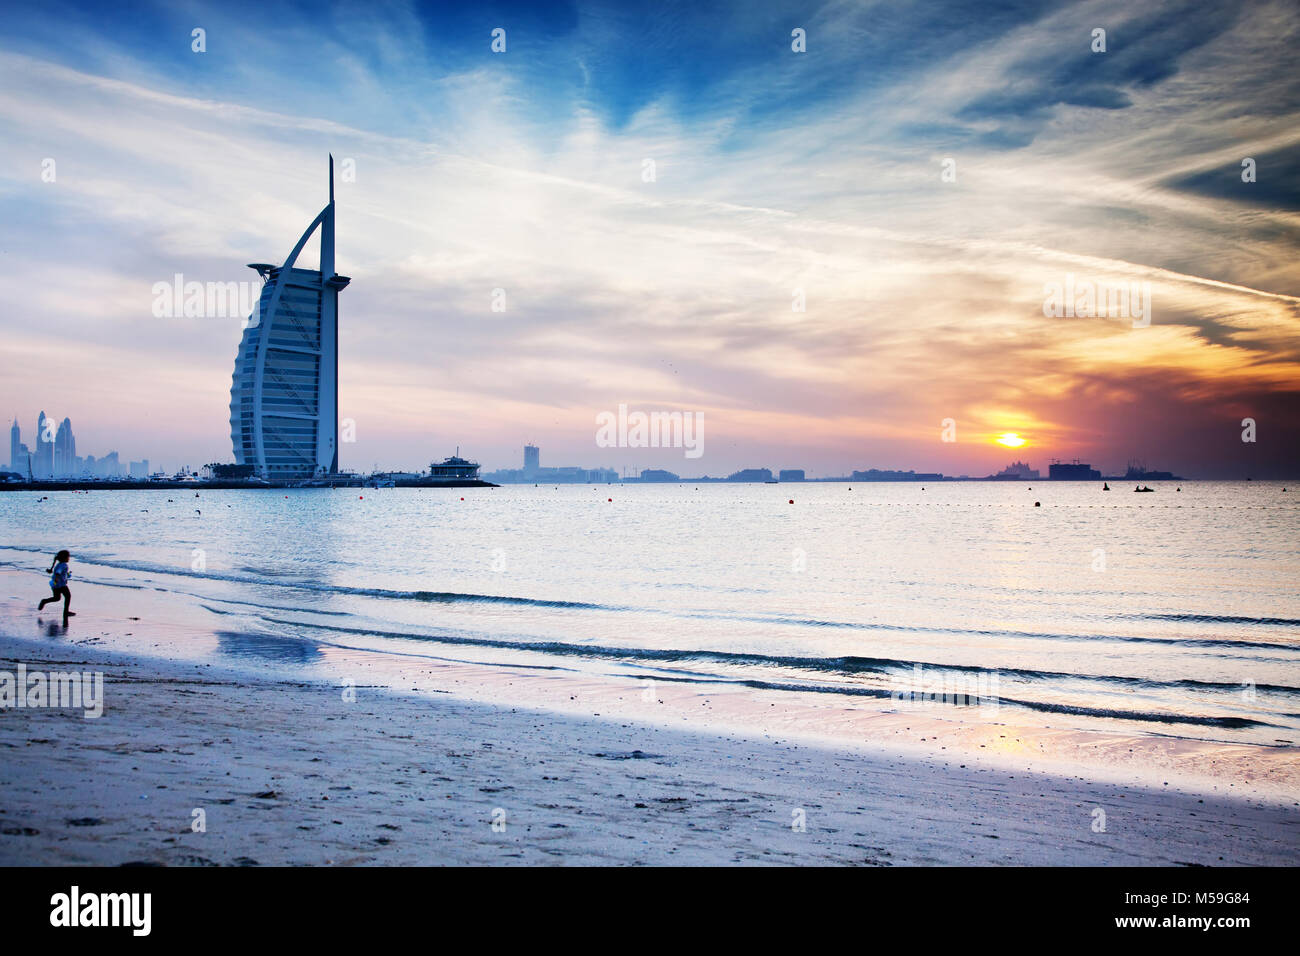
[1074, 471]
[65, 451]
[17, 450]
[752, 474]
[1018, 470]
[791, 474]
[43, 465]
[874, 474]
[534, 473]
[1137, 471]
[108, 466]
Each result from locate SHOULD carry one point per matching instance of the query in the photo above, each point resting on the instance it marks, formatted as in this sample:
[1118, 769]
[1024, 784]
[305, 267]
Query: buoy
[609, 499]
[1038, 504]
[462, 499]
[791, 501]
[361, 497]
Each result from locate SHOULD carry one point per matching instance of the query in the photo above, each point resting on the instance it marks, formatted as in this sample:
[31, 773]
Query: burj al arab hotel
[284, 408]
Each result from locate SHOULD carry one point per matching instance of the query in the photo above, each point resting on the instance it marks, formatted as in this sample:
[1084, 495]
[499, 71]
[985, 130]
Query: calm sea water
[1174, 613]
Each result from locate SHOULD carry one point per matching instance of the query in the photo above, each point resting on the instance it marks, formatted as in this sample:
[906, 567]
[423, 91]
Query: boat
[1144, 488]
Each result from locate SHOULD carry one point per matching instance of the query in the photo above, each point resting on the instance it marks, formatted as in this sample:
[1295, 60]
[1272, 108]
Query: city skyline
[57, 457]
[827, 254]
[532, 470]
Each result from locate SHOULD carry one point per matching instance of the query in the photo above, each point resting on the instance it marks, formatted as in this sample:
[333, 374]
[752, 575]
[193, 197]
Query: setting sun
[1010, 440]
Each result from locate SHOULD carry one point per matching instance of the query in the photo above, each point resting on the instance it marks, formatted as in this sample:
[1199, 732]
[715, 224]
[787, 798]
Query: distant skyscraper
[284, 398]
[108, 466]
[532, 458]
[65, 450]
[43, 466]
[17, 460]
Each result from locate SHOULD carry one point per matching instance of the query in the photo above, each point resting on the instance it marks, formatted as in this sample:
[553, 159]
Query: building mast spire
[330, 313]
[327, 231]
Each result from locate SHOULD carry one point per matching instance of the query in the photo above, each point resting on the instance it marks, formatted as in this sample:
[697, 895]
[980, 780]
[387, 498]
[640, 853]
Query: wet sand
[292, 773]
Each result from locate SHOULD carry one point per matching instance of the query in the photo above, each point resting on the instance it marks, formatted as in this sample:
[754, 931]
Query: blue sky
[775, 172]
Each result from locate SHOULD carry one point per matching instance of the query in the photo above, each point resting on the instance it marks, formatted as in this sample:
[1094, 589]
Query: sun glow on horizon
[1011, 440]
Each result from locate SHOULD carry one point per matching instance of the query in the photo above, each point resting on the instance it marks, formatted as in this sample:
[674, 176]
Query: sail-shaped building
[284, 397]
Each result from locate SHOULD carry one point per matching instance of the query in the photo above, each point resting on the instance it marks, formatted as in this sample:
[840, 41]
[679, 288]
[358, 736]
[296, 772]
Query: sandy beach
[602, 434]
[292, 773]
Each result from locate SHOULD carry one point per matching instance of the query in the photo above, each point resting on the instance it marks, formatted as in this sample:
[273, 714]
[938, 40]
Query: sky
[655, 189]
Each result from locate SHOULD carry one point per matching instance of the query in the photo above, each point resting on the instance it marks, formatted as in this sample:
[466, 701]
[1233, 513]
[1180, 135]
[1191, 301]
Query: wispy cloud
[775, 174]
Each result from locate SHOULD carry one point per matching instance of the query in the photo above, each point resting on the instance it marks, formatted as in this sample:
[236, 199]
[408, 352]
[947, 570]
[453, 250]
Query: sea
[1172, 613]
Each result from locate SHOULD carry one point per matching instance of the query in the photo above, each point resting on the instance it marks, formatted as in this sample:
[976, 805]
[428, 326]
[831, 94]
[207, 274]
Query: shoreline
[296, 645]
[288, 772]
[234, 485]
